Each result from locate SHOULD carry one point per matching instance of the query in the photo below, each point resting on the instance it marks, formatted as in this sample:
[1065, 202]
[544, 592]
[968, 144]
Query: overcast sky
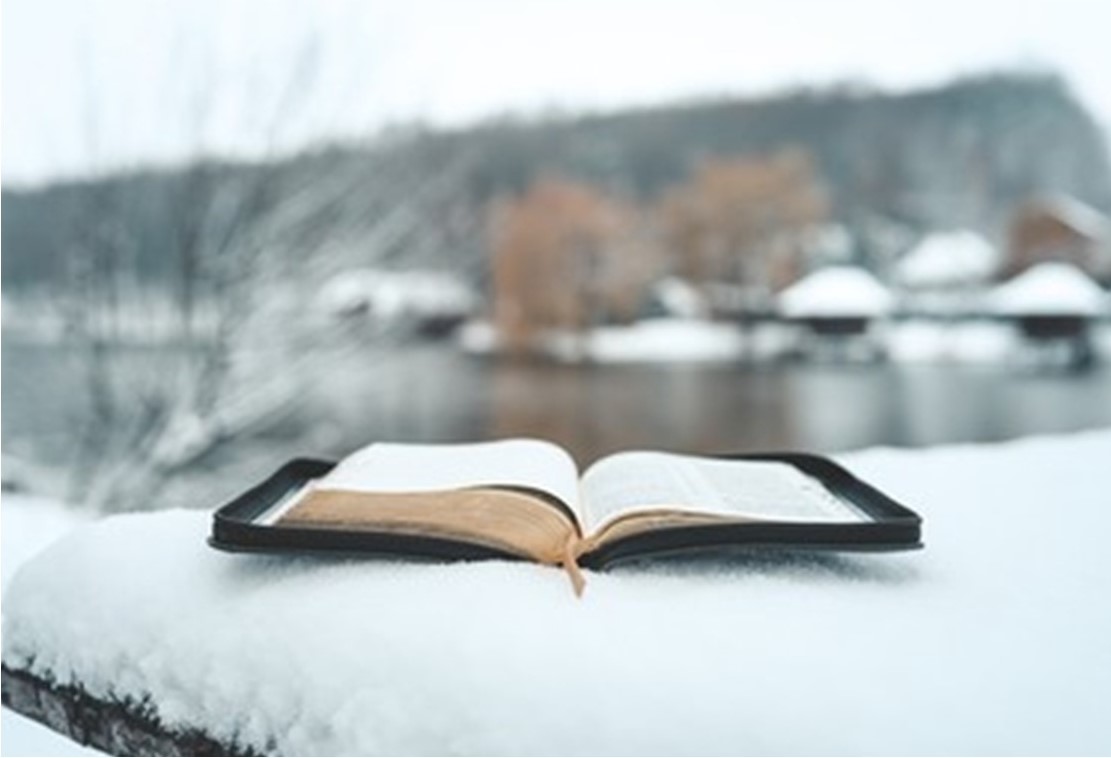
[92, 86]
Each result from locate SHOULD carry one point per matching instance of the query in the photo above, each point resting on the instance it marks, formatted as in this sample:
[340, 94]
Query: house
[1053, 305]
[943, 274]
[1059, 228]
[949, 260]
[837, 304]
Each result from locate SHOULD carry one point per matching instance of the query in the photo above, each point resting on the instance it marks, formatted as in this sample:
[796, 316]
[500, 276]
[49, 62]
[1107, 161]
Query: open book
[526, 499]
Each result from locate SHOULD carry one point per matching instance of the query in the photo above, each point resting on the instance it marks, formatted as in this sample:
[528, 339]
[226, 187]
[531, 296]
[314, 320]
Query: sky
[96, 86]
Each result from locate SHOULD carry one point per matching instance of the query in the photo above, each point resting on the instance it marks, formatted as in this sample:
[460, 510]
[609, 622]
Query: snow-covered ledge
[117, 728]
[991, 640]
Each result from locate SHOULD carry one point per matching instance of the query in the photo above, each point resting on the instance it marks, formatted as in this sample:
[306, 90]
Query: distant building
[835, 307]
[953, 260]
[1060, 228]
[943, 275]
[1050, 289]
[837, 292]
[1053, 304]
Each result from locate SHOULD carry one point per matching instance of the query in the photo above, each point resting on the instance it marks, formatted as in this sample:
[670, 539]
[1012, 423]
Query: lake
[432, 392]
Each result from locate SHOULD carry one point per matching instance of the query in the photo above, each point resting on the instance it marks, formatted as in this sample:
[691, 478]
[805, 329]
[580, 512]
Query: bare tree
[240, 246]
[739, 222]
[565, 256]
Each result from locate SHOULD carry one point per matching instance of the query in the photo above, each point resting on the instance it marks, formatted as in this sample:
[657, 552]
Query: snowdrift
[991, 640]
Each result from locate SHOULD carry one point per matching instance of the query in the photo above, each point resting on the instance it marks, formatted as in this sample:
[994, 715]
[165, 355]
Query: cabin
[943, 275]
[1053, 306]
[1059, 228]
[835, 309]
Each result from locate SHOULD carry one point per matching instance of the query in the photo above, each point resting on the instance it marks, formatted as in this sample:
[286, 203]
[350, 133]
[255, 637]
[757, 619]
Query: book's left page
[521, 495]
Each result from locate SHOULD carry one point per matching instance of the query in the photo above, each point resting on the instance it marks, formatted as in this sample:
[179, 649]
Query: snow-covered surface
[1050, 289]
[658, 340]
[923, 340]
[679, 298]
[931, 341]
[991, 640]
[22, 736]
[29, 523]
[478, 337]
[948, 259]
[663, 340]
[973, 341]
[390, 294]
[837, 291]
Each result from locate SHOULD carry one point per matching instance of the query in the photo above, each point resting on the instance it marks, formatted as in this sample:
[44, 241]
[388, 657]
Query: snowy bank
[967, 342]
[991, 640]
[22, 736]
[921, 340]
[664, 340]
[657, 340]
[28, 523]
[392, 294]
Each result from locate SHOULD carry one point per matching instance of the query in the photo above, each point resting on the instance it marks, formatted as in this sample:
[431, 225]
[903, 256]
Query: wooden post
[117, 728]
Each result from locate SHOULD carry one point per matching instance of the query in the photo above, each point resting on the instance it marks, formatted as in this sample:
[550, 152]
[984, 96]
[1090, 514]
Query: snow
[657, 340]
[837, 291]
[931, 341]
[1050, 289]
[922, 340]
[665, 340]
[948, 259]
[391, 294]
[29, 523]
[478, 337]
[991, 640]
[679, 297]
[22, 736]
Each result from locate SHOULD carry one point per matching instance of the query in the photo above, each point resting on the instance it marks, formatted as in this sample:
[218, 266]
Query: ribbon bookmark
[571, 566]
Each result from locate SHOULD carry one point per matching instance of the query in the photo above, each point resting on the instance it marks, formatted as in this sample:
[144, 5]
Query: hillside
[957, 155]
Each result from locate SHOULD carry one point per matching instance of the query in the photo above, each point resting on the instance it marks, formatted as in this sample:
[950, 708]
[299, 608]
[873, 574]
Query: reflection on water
[595, 410]
[433, 393]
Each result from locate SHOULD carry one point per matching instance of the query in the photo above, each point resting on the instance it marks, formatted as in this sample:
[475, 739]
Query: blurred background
[239, 232]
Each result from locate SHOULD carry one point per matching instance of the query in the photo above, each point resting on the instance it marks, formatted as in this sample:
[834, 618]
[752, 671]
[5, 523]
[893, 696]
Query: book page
[405, 468]
[767, 490]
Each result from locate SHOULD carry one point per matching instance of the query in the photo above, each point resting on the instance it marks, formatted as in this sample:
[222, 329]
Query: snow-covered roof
[1049, 289]
[948, 259]
[679, 298]
[1079, 215]
[836, 291]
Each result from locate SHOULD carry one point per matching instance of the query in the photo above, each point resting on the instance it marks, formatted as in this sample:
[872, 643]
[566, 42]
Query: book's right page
[651, 482]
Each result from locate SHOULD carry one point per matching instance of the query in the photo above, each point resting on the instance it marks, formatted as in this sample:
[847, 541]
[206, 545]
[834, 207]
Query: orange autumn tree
[741, 221]
[565, 257]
